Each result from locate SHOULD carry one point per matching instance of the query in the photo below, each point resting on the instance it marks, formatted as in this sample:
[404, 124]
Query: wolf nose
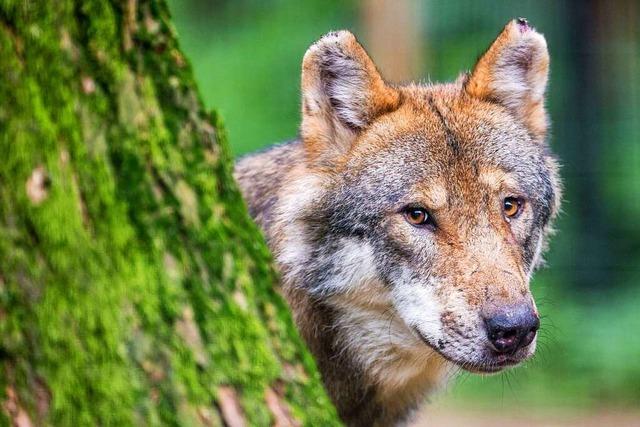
[512, 329]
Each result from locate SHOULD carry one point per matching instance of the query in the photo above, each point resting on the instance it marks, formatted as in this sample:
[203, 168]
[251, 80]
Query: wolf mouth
[500, 363]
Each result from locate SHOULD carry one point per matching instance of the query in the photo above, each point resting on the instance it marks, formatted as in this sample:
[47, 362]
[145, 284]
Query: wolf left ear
[342, 93]
[513, 72]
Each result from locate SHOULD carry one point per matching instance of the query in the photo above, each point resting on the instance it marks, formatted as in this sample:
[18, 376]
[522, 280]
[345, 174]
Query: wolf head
[429, 204]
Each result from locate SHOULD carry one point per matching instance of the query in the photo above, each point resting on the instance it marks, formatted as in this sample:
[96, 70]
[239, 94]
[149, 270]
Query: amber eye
[417, 216]
[512, 206]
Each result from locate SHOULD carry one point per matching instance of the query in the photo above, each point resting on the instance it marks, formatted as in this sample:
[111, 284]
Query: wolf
[406, 220]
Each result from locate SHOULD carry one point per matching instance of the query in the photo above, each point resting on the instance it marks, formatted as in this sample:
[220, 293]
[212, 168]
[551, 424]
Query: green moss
[138, 285]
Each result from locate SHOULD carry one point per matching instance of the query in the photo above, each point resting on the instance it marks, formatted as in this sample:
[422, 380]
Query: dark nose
[512, 329]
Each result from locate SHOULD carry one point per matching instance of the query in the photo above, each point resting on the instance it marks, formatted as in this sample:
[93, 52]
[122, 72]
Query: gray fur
[389, 309]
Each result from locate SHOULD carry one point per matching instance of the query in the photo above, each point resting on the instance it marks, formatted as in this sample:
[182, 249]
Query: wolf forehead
[446, 145]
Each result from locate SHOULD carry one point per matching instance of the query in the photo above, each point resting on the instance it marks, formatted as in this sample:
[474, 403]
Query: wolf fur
[391, 310]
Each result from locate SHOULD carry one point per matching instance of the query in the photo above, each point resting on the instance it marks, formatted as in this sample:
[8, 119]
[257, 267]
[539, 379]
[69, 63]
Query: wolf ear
[342, 93]
[513, 72]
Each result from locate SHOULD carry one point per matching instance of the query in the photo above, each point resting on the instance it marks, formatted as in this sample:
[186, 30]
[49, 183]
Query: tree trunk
[393, 32]
[134, 289]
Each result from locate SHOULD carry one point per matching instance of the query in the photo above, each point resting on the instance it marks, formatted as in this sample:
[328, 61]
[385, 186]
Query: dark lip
[501, 362]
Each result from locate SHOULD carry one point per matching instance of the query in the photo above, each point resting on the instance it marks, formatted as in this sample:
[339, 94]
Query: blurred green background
[246, 55]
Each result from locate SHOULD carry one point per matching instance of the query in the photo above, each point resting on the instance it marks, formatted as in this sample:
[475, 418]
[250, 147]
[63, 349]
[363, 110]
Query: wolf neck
[396, 362]
[376, 371]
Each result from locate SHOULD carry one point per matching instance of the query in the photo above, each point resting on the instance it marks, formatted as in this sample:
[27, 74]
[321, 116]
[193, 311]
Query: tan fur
[321, 129]
[388, 309]
[517, 44]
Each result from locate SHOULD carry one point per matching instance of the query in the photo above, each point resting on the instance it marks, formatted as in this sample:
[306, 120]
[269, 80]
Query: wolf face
[445, 202]
[442, 193]
[408, 220]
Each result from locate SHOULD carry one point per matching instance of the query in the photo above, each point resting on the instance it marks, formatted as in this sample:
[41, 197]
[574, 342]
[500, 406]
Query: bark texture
[134, 289]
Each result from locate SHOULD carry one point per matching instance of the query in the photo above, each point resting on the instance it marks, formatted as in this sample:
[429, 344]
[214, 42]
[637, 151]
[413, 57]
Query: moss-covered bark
[134, 290]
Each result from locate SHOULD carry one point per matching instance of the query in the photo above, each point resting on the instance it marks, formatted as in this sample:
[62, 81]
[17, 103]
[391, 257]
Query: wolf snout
[511, 329]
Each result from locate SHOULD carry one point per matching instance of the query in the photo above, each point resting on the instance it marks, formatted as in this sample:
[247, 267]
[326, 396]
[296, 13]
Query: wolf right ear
[342, 93]
[513, 72]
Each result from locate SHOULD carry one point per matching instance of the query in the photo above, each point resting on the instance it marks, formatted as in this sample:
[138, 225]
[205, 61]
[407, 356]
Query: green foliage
[250, 68]
[132, 282]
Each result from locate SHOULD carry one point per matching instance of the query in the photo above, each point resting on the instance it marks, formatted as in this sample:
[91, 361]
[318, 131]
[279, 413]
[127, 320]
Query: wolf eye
[512, 206]
[417, 216]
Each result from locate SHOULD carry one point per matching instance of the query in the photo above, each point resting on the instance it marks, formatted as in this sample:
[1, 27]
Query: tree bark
[134, 289]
